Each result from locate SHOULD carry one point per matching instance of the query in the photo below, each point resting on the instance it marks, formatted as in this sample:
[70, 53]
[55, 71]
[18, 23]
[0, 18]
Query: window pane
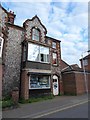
[39, 82]
[54, 44]
[54, 58]
[85, 62]
[35, 34]
[44, 54]
[33, 52]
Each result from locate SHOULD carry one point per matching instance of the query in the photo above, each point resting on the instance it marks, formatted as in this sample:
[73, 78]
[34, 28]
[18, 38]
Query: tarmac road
[59, 103]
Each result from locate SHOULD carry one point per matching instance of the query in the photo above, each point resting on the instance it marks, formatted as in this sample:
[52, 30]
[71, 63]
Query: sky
[64, 20]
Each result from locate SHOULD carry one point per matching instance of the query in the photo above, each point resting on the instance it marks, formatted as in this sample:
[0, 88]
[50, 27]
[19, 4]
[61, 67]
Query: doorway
[55, 85]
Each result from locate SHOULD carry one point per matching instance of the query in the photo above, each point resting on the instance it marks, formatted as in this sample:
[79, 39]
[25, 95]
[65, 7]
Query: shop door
[55, 85]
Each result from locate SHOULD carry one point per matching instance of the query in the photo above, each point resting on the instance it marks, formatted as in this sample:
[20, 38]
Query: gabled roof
[3, 9]
[73, 67]
[64, 65]
[86, 57]
[6, 10]
[38, 20]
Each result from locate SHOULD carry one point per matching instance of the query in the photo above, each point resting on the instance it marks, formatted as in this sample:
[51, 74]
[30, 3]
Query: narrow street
[76, 111]
[59, 107]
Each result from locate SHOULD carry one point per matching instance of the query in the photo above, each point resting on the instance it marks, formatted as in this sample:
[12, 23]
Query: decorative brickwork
[35, 22]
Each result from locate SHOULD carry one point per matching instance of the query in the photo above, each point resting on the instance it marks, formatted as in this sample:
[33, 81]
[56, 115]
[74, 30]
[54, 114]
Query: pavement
[34, 110]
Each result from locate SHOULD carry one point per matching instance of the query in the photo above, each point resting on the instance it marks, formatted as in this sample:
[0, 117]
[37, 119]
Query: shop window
[38, 53]
[1, 46]
[35, 34]
[39, 82]
[54, 58]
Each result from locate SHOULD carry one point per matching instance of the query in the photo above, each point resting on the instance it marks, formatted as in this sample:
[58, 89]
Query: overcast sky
[66, 21]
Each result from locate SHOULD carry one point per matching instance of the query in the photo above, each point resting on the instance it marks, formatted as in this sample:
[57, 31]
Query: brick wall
[80, 82]
[24, 85]
[74, 82]
[69, 83]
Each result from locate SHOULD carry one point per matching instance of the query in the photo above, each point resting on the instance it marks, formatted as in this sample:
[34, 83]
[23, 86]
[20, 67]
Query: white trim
[2, 40]
[73, 72]
[39, 88]
[39, 60]
[65, 68]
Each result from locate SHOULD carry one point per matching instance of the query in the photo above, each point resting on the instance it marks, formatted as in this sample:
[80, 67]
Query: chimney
[11, 17]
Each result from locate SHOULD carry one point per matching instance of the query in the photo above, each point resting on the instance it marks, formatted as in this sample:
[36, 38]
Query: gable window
[38, 53]
[54, 45]
[54, 58]
[35, 34]
[1, 46]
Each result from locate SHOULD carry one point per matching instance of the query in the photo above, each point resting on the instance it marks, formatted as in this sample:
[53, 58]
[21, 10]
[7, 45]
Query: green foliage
[7, 103]
[31, 100]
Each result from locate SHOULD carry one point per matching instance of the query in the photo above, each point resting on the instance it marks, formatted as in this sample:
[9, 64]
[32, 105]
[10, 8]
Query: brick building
[85, 64]
[30, 60]
[73, 80]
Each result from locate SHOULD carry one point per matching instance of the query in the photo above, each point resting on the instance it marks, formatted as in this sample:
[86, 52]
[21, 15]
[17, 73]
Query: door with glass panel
[55, 85]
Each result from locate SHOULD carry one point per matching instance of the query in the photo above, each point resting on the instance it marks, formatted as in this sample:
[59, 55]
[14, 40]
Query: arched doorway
[55, 85]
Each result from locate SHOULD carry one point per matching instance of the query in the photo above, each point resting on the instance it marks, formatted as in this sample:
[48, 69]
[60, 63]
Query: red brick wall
[80, 82]
[74, 82]
[69, 83]
[0, 81]
[24, 85]
[88, 78]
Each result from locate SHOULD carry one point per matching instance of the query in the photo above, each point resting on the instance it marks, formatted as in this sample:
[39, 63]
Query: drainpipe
[85, 77]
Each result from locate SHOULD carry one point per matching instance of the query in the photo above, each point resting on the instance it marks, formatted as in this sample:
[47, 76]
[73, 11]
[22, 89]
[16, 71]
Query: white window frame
[46, 58]
[1, 47]
[56, 58]
[54, 45]
[39, 88]
[35, 35]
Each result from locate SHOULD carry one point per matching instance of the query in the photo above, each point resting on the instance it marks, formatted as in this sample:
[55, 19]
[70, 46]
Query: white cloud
[63, 20]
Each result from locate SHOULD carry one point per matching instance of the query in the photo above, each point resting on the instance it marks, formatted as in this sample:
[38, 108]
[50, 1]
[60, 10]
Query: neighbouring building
[29, 59]
[73, 80]
[85, 64]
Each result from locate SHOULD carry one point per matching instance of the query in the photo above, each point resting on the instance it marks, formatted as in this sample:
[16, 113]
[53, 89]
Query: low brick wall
[74, 82]
[69, 83]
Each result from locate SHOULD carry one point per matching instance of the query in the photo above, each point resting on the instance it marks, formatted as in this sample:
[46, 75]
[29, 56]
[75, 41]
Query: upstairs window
[38, 53]
[54, 45]
[44, 54]
[54, 58]
[35, 34]
[85, 62]
[1, 46]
